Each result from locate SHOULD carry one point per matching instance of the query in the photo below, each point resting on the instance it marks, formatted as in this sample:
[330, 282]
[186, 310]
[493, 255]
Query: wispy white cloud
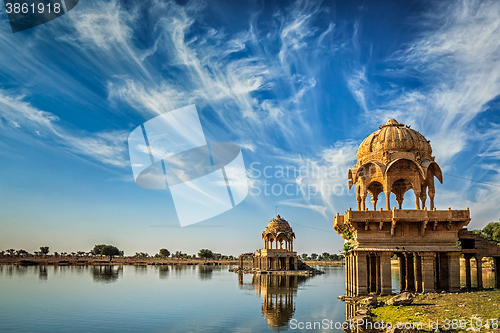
[356, 84]
[107, 147]
[460, 64]
[254, 92]
[320, 209]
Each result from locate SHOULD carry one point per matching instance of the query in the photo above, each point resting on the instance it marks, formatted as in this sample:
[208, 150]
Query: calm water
[162, 299]
[166, 299]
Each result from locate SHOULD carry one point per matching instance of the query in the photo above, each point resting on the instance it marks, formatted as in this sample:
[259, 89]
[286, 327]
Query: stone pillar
[353, 292]
[432, 192]
[385, 273]
[374, 201]
[347, 265]
[368, 273]
[358, 196]
[287, 266]
[353, 275]
[295, 263]
[423, 197]
[410, 273]
[497, 271]
[361, 266]
[377, 274]
[387, 200]
[350, 273]
[454, 271]
[468, 283]
[418, 272]
[428, 272]
[402, 272]
[417, 199]
[479, 265]
[363, 200]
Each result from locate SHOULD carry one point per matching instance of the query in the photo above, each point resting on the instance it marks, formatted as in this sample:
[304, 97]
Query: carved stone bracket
[422, 229]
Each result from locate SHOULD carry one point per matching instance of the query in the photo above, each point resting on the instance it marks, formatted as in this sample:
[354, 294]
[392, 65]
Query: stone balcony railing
[355, 220]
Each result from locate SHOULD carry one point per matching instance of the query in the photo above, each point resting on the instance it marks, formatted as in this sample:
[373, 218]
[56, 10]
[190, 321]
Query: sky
[297, 85]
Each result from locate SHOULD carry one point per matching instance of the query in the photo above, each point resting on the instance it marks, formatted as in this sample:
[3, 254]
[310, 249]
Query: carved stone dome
[394, 159]
[393, 137]
[277, 226]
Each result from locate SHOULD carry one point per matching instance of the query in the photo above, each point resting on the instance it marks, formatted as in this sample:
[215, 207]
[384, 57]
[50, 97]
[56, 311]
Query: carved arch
[434, 168]
[404, 159]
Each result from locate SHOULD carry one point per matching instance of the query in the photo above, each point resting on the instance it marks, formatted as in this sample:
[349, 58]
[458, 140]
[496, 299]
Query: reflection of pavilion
[278, 292]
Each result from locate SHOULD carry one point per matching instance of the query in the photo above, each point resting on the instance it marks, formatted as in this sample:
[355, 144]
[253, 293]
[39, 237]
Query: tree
[11, 252]
[98, 249]
[325, 255]
[336, 257]
[492, 232]
[303, 256]
[314, 256]
[205, 253]
[110, 250]
[44, 250]
[164, 253]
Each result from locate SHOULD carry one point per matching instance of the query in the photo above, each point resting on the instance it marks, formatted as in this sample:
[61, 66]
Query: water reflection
[141, 269]
[278, 292]
[488, 277]
[42, 273]
[164, 272]
[106, 274]
[206, 272]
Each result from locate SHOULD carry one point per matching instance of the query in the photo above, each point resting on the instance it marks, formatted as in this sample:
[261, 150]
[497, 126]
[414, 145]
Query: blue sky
[295, 84]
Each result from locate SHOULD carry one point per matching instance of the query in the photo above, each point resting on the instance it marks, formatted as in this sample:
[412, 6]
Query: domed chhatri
[277, 253]
[395, 158]
[278, 226]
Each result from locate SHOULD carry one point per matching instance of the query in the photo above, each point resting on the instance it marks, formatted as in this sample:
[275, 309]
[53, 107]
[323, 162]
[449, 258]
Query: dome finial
[392, 121]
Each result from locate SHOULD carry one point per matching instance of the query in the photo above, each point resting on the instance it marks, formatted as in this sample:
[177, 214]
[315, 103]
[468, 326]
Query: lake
[175, 298]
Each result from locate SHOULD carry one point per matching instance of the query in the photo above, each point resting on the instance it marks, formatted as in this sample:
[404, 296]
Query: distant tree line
[325, 256]
[202, 254]
[104, 250]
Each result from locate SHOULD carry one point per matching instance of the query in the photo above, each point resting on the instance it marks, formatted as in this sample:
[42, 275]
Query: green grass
[431, 307]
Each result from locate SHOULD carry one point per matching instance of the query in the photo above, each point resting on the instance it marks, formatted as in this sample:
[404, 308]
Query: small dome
[278, 226]
[394, 136]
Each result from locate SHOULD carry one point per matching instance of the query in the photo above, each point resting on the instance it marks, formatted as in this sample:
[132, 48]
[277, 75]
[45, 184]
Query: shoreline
[67, 261]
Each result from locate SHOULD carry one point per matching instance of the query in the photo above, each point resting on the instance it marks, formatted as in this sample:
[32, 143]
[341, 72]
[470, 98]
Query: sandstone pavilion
[428, 242]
